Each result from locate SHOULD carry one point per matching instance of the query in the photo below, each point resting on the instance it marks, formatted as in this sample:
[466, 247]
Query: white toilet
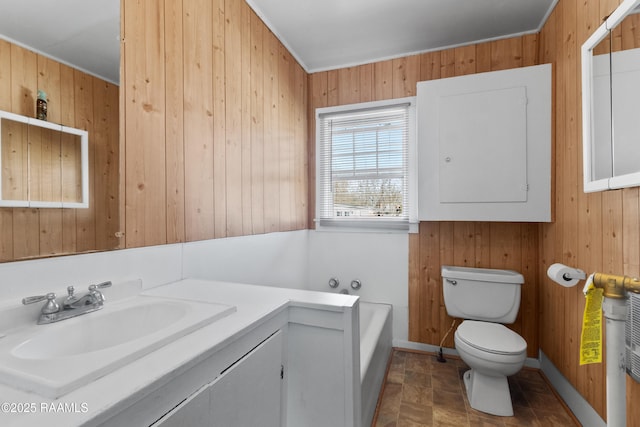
[486, 298]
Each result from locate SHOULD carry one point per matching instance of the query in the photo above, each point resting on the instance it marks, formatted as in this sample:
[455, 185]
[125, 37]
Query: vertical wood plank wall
[475, 244]
[215, 124]
[77, 100]
[594, 232]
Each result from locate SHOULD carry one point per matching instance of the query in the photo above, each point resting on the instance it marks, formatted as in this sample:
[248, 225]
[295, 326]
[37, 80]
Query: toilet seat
[492, 338]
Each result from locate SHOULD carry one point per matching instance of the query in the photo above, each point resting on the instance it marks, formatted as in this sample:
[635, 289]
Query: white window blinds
[363, 167]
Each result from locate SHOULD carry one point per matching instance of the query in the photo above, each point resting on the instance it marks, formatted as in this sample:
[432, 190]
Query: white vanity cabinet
[247, 393]
[281, 359]
[484, 146]
[241, 385]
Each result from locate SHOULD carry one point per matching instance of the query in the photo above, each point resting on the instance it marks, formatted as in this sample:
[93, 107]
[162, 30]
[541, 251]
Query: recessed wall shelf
[43, 164]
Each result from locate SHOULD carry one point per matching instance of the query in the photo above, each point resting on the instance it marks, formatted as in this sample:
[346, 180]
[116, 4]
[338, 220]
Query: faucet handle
[51, 305]
[93, 290]
[37, 298]
[102, 285]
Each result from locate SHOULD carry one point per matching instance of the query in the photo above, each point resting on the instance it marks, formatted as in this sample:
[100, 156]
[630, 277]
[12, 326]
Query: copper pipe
[616, 286]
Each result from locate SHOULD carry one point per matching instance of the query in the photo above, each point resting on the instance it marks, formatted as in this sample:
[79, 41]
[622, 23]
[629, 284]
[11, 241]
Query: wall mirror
[42, 164]
[610, 88]
[69, 49]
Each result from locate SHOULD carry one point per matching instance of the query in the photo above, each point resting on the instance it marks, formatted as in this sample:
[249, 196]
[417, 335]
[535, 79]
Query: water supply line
[439, 357]
[614, 308]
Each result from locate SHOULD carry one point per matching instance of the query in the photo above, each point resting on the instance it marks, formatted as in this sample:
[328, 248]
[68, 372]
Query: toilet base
[488, 393]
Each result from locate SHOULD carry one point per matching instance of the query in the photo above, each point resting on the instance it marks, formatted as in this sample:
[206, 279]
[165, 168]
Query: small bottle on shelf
[41, 105]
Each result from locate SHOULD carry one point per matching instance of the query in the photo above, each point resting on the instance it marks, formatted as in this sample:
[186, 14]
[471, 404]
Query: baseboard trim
[429, 348]
[529, 362]
[582, 410]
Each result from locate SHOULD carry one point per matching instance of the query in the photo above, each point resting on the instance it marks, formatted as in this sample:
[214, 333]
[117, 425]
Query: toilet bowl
[493, 352]
[486, 298]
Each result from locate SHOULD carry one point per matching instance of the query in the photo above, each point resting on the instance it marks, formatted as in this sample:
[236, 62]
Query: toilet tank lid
[482, 274]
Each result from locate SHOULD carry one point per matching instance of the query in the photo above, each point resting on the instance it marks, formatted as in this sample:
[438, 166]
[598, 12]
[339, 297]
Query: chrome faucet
[93, 297]
[71, 307]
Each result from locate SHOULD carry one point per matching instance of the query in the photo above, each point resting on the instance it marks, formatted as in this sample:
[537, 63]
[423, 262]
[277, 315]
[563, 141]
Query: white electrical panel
[632, 336]
[484, 146]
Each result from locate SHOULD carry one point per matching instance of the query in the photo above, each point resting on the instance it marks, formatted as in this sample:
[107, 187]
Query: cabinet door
[484, 146]
[194, 411]
[249, 393]
[246, 394]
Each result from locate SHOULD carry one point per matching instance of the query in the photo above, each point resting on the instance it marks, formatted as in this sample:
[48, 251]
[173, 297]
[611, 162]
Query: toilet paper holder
[576, 274]
[564, 275]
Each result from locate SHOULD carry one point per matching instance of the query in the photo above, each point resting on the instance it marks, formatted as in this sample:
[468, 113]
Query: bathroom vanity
[279, 357]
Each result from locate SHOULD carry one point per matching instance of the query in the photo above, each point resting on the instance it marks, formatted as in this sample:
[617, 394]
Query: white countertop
[117, 390]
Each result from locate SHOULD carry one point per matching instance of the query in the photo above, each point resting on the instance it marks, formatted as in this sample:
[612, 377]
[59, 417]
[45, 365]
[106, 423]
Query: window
[364, 165]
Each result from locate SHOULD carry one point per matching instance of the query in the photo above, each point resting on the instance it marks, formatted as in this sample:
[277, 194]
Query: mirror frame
[614, 182]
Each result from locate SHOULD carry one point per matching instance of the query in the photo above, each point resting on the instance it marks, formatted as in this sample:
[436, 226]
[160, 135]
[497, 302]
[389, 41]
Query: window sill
[352, 227]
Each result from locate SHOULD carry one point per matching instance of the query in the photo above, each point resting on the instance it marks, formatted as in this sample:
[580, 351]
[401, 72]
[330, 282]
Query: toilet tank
[482, 293]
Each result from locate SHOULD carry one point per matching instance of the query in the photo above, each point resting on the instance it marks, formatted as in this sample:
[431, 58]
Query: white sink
[96, 333]
[54, 359]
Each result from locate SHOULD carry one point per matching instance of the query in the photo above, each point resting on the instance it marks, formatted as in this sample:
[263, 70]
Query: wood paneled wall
[594, 232]
[512, 246]
[475, 244]
[215, 124]
[77, 100]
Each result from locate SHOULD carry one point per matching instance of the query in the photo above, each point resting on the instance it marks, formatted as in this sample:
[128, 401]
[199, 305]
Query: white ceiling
[82, 33]
[321, 34]
[331, 34]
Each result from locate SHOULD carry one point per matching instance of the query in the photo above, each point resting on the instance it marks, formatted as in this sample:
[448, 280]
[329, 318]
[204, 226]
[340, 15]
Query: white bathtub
[375, 349]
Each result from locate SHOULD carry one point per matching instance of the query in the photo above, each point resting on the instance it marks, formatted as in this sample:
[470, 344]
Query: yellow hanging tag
[591, 337]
